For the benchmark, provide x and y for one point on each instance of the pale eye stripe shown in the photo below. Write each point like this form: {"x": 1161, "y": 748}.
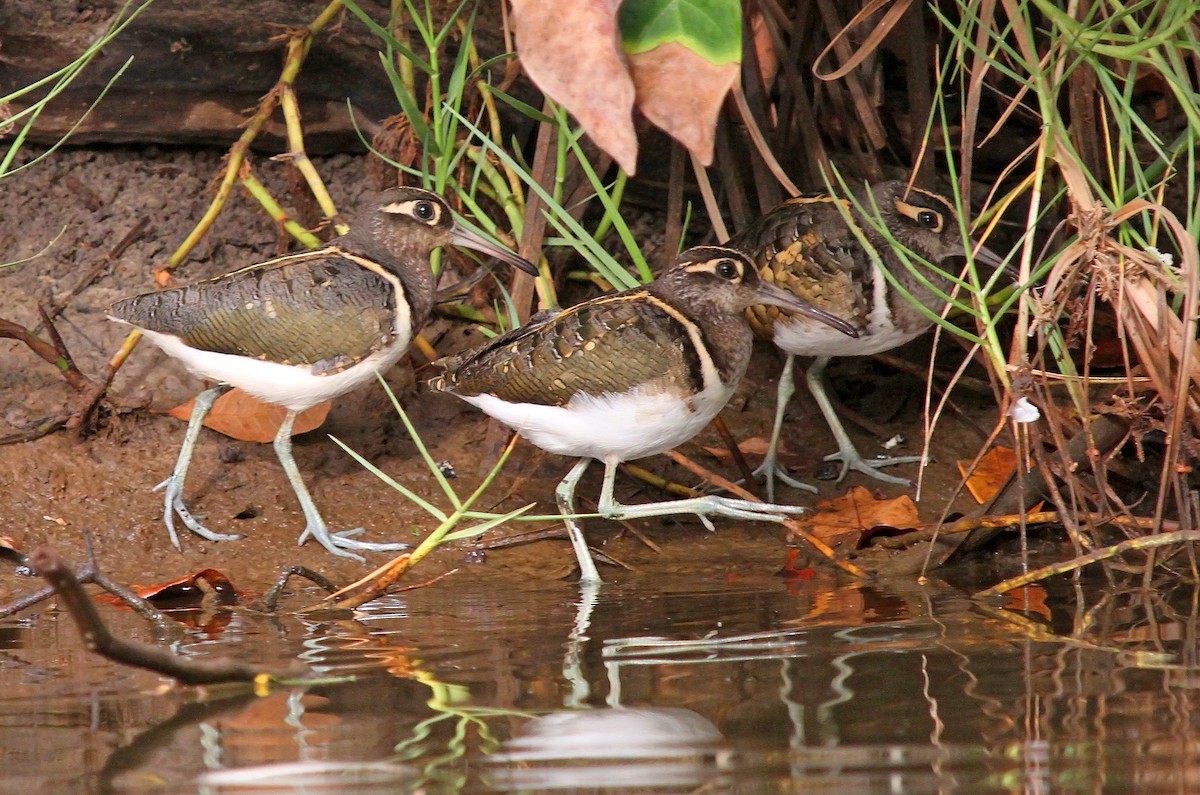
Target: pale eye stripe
{"x": 406, "y": 208}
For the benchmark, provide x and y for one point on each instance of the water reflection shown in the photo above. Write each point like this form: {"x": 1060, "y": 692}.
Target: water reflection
{"x": 756, "y": 685}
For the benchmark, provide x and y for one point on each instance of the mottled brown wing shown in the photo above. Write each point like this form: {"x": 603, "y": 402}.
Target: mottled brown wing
{"x": 608, "y": 345}
{"x": 805, "y": 247}
{"x": 324, "y": 311}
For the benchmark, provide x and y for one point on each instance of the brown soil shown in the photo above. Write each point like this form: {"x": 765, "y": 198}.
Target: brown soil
{"x": 53, "y": 488}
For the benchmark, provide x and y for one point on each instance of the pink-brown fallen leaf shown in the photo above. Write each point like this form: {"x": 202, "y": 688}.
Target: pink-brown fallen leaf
{"x": 187, "y": 591}
{"x": 1028, "y": 599}
{"x": 994, "y": 470}
{"x": 681, "y": 93}
{"x": 572, "y": 52}
{"x": 240, "y": 416}
{"x": 846, "y": 518}
{"x": 754, "y": 449}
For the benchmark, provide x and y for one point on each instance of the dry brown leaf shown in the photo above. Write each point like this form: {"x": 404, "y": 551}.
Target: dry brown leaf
{"x": 994, "y": 470}
{"x": 754, "y": 449}
{"x": 681, "y": 93}
{"x": 572, "y": 51}
{"x": 858, "y": 511}
{"x": 1028, "y": 599}
{"x": 240, "y": 416}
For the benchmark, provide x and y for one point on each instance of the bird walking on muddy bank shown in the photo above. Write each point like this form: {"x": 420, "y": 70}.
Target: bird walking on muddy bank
{"x": 813, "y": 247}
{"x": 304, "y": 328}
{"x": 629, "y": 375}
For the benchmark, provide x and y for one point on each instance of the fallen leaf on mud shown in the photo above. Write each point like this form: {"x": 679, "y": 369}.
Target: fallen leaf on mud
{"x": 754, "y": 450}
{"x": 689, "y": 116}
{"x": 187, "y": 591}
{"x": 1028, "y": 599}
{"x": 240, "y": 416}
{"x": 572, "y": 51}
{"x": 9, "y": 551}
{"x": 994, "y": 470}
{"x": 855, "y": 513}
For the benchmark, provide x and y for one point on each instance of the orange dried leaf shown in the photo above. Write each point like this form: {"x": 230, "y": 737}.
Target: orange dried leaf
{"x": 689, "y": 115}
{"x": 572, "y": 52}
{"x": 1028, "y": 599}
{"x": 241, "y": 416}
{"x": 754, "y": 449}
{"x": 186, "y": 591}
{"x": 858, "y": 511}
{"x": 994, "y": 470}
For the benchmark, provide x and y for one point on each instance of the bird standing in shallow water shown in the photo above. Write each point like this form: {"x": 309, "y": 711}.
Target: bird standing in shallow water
{"x": 806, "y": 247}
{"x": 304, "y": 328}
{"x": 628, "y": 375}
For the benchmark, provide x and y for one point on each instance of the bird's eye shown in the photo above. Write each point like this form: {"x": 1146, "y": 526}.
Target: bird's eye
{"x": 929, "y": 219}
{"x": 728, "y": 269}
{"x": 424, "y": 210}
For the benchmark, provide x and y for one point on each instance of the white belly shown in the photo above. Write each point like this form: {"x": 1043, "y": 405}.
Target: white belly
{"x": 291, "y": 386}
{"x": 625, "y": 426}
{"x": 809, "y": 338}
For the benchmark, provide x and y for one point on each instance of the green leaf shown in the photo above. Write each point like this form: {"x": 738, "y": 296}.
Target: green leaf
{"x": 710, "y": 28}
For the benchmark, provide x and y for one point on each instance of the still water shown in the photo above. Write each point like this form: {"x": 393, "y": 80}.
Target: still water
{"x": 648, "y": 685}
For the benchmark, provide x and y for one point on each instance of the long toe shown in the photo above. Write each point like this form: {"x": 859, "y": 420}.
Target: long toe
{"x": 871, "y": 466}
{"x": 343, "y": 541}
{"x": 770, "y": 471}
{"x": 328, "y": 540}
{"x": 176, "y": 507}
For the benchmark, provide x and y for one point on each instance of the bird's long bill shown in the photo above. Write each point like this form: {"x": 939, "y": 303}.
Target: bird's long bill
{"x": 461, "y": 236}
{"x": 773, "y": 296}
{"x": 990, "y": 259}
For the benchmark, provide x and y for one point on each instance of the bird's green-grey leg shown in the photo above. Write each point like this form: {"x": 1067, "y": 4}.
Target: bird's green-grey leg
{"x": 847, "y": 453}
{"x": 709, "y": 505}
{"x": 565, "y": 495}
{"x": 173, "y": 502}
{"x": 770, "y": 468}
{"x": 314, "y": 525}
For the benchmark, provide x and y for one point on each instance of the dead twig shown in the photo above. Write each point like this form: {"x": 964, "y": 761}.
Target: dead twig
{"x": 51, "y": 352}
{"x": 1145, "y": 543}
{"x": 98, "y": 638}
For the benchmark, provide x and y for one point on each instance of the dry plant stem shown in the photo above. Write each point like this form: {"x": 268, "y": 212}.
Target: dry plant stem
{"x": 376, "y": 584}
{"x": 1145, "y": 544}
{"x": 659, "y": 482}
{"x": 1100, "y": 437}
{"x": 791, "y": 524}
{"x": 111, "y": 257}
{"x": 735, "y": 451}
{"x": 46, "y": 351}
{"x": 760, "y": 143}
{"x": 969, "y": 523}
{"x": 710, "y": 200}
{"x": 97, "y": 638}
{"x": 299, "y": 158}
{"x": 298, "y": 43}
{"x": 533, "y": 226}
{"x": 271, "y": 599}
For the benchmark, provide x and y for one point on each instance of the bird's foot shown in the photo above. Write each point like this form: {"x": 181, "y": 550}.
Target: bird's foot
{"x": 852, "y": 460}
{"x": 770, "y": 470}
{"x": 704, "y": 507}
{"x": 339, "y": 542}
{"x": 174, "y": 506}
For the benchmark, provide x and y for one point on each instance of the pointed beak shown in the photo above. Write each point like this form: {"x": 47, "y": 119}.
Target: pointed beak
{"x": 461, "y": 236}
{"x": 771, "y": 295}
{"x": 990, "y": 259}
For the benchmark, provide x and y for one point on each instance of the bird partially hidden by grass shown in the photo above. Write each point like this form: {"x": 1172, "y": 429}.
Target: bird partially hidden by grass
{"x": 808, "y": 247}
{"x": 629, "y": 375}
{"x": 304, "y": 328}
